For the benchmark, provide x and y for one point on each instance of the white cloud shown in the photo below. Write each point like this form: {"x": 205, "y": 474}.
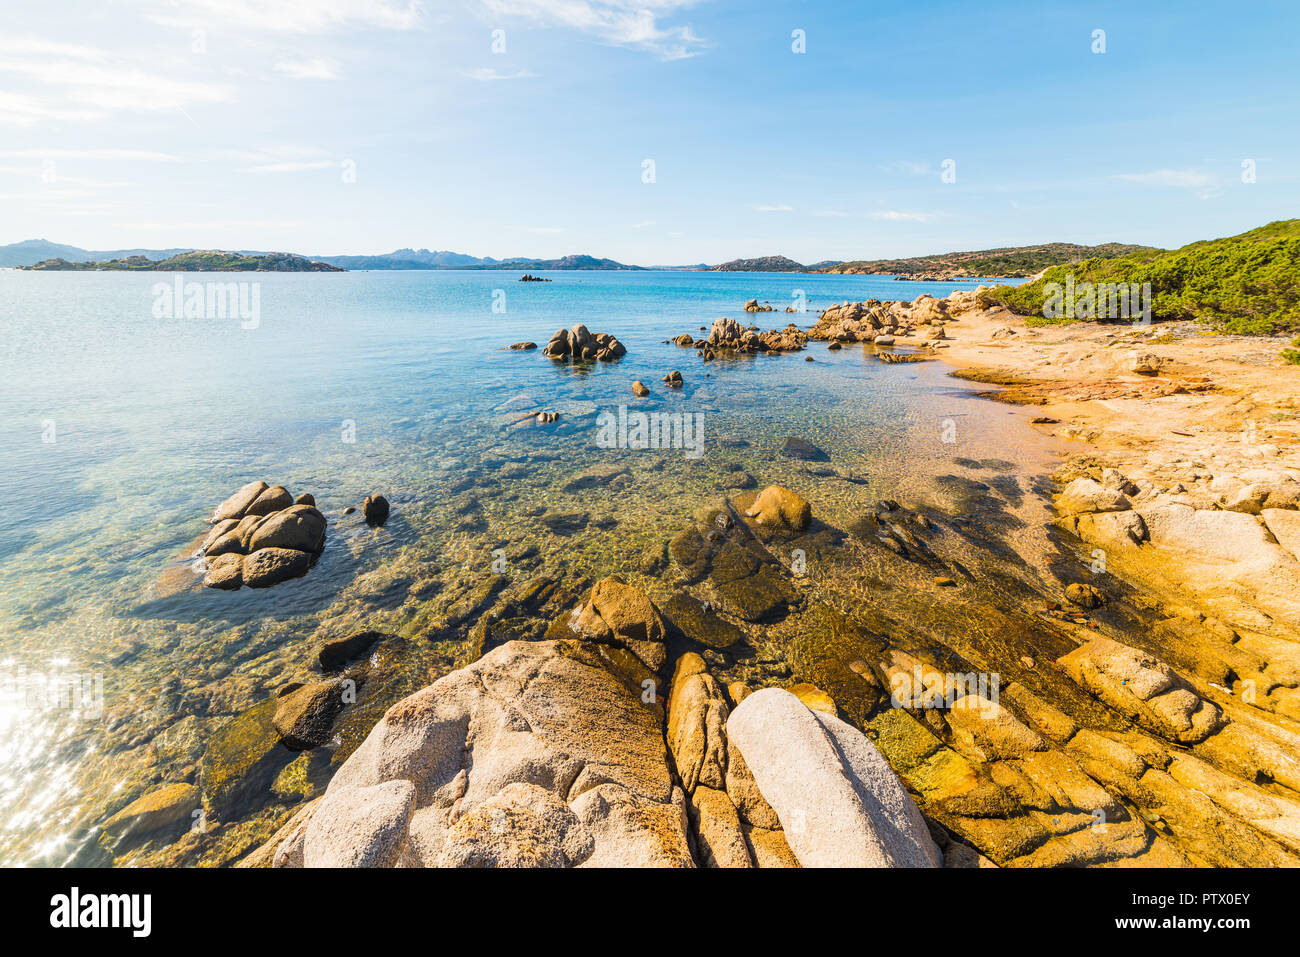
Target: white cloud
{"x": 775, "y": 209}
{"x": 902, "y": 216}
{"x": 80, "y": 82}
{"x": 292, "y": 166}
{"x": 289, "y": 16}
{"x": 488, "y": 74}
{"x": 217, "y": 224}
{"x": 1177, "y": 178}
{"x": 624, "y": 23}
{"x": 129, "y": 156}
{"x": 544, "y": 229}
{"x": 315, "y": 69}
{"x": 910, "y": 167}
{"x": 648, "y": 222}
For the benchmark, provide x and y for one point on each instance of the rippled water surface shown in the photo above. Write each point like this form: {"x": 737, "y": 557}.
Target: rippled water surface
{"x": 121, "y": 432}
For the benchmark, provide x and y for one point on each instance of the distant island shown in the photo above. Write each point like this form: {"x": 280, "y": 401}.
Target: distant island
{"x": 1008, "y": 262}
{"x": 206, "y": 260}
{"x": 1003, "y": 262}
{"x": 771, "y": 264}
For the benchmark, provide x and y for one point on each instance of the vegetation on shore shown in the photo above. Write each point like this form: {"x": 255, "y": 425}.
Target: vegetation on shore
{"x": 1009, "y": 261}
{"x": 1246, "y": 284}
{"x": 204, "y": 260}
{"x": 770, "y": 264}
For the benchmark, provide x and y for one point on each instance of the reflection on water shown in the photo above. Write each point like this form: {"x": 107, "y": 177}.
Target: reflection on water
{"x": 392, "y": 383}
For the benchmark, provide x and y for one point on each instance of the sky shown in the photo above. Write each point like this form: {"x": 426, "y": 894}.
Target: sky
{"x": 648, "y": 131}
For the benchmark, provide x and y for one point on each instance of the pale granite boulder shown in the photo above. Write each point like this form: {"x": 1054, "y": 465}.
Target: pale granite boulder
{"x": 839, "y": 802}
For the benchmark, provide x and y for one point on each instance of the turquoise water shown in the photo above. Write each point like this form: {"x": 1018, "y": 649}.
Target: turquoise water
{"x": 122, "y": 431}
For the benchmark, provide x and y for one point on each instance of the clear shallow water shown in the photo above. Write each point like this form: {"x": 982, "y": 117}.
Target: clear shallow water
{"x": 155, "y": 421}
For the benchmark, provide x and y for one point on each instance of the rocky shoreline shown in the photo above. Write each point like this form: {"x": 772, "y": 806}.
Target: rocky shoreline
{"x": 770, "y": 689}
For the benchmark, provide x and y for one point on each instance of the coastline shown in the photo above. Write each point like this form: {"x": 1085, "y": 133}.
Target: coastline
{"x": 972, "y": 580}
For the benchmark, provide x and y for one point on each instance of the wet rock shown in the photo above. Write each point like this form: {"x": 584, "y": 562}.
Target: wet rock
{"x": 225, "y": 572}
{"x": 598, "y": 476}
{"x": 159, "y": 810}
{"x": 700, "y": 623}
{"x": 270, "y": 566}
{"x": 375, "y": 510}
{"x": 674, "y": 379}
{"x": 334, "y": 654}
{"x": 814, "y": 698}
{"x": 840, "y": 803}
{"x": 241, "y": 760}
{"x": 300, "y": 527}
{"x": 639, "y": 389}
{"x": 563, "y": 523}
{"x": 237, "y": 504}
{"x": 524, "y": 346}
{"x": 619, "y": 614}
{"x": 304, "y": 717}
{"x": 990, "y": 731}
{"x": 578, "y": 344}
{"x": 802, "y": 449}
{"x": 780, "y": 508}
{"x": 271, "y": 500}
{"x": 306, "y": 498}
{"x": 547, "y": 716}
{"x": 1084, "y": 595}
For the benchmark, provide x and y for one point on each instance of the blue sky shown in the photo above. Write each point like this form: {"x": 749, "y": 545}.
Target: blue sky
{"x": 235, "y": 124}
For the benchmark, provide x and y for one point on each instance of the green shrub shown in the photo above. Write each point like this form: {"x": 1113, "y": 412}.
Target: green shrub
{"x": 1247, "y": 284}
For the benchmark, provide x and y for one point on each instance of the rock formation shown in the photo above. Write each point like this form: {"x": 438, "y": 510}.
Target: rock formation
{"x": 259, "y": 538}
{"x": 578, "y": 343}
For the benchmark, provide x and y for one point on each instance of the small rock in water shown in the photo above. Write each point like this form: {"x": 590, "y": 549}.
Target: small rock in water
{"x": 546, "y": 418}
{"x": 306, "y": 498}
{"x": 1085, "y": 596}
{"x": 375, "y": 509}
{"x": 797, "y": 448}
{"x": 524, "y": 345}
{"x": 349, "y": 510}
{"x": 639, "y": 389}
{"x": 335, "y": 654}
{"x": 674, "y": 379}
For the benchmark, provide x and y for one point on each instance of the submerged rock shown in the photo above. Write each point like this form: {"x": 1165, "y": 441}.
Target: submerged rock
{"x": 802, "y": 449}
{"x": 304, "y": 717}
{"x": 158, "y": 810}
{"x": 700, "y": 623}
{"x": 335, "y": 654}
{"x": 779, "y": 508}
